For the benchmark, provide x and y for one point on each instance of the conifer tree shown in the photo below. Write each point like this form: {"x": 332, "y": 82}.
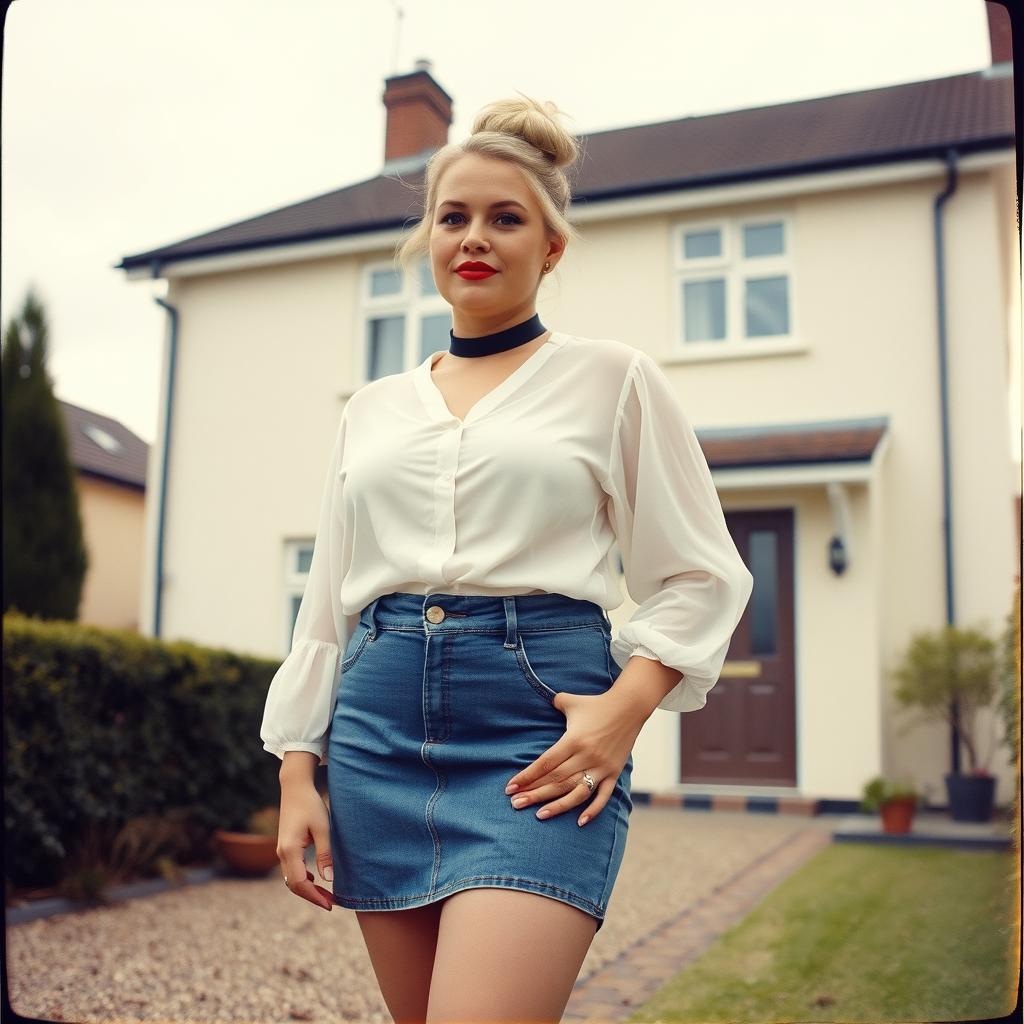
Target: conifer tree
{"x": 44, "y": 554}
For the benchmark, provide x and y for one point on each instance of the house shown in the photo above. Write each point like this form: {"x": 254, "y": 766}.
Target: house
{"x": 831, "y": 285}
{"x": 110, "y": 463}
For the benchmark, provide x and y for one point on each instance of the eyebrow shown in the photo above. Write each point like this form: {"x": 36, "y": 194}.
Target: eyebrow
{"x": 494, "y": 206}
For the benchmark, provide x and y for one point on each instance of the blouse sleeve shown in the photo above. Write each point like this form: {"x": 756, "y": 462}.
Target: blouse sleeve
{"x": 300, "y": 700}
{"x": 681, "y": 564}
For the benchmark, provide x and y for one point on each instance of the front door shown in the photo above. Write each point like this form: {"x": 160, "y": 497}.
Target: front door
{"x": 746, "y": 733}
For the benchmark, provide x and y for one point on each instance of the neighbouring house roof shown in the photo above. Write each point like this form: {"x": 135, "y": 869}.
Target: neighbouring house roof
{"x": 971, "y": 112}
{"x": 793, "y": 444}
{"x": 103, "y": 447}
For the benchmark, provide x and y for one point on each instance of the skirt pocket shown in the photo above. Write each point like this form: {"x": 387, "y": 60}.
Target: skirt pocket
{"x": 573, "y": 660}
{"x": 356, "y": 645}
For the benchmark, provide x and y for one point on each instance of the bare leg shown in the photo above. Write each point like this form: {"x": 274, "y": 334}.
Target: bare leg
{"x": 505, "y": 955}
{"x": 401, "y": 945}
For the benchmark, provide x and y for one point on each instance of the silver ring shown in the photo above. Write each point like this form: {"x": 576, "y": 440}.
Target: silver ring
{"x": 588, "y": 779}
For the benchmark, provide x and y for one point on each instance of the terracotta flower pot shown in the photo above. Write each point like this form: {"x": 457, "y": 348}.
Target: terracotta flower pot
{"x": 898, "y": 814}
{"x": 246, "y": 853}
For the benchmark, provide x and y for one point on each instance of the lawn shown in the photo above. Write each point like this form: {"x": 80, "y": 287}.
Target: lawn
{"x": 864, "y": 932}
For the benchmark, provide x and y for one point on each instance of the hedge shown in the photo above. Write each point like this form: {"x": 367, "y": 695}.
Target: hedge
{"x": 102, "y": 725}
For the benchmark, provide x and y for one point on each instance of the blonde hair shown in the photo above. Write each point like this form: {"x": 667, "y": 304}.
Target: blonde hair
{"x": 523, "y": 132}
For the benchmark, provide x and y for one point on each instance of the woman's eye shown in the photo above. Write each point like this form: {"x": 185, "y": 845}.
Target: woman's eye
{"x": 444, "y": 219}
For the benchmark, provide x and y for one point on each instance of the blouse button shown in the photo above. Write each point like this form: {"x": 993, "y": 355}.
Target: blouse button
{"x": 435, "y": 613}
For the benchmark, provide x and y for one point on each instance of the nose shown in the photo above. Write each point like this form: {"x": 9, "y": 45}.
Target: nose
{"x": 474, "y": 239}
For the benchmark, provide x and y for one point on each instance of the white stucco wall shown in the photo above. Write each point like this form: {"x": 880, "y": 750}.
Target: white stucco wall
{"x": 266, "y": 354}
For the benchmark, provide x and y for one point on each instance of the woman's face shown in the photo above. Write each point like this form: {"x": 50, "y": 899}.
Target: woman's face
{"x": 509, "y": 238}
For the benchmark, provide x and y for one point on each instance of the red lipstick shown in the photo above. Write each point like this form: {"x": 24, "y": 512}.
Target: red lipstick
{"x": 474, "y": 270}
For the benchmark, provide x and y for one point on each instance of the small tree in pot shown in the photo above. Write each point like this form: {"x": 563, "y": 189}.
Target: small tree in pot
{"x": 947, "y": 666}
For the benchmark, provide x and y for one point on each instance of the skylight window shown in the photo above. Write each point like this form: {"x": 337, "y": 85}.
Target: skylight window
{"x": 106, "y": 441}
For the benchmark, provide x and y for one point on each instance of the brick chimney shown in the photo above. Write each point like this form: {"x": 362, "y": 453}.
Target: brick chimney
{"x": 419, "y": 114}
{"x": 999, "y": 33}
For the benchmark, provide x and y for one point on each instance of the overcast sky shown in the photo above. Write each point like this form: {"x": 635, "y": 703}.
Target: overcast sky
{"x": 130, "y": 124}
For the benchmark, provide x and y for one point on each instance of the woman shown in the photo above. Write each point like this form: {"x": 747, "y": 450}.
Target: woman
{"x": 462, "y": 570}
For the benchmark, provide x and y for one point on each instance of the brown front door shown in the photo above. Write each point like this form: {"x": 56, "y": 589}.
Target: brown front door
{"x": 746, "y": 733}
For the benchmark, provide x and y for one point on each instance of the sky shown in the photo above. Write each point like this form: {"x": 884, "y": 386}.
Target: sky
{"x": 131, "y": 124}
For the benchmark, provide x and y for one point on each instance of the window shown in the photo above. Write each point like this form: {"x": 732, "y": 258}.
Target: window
{"x": 404, "y": 319}
{"x": 106, "y": 441}
{"x": 732, "y": 282}
{"x": 298, "y": 555}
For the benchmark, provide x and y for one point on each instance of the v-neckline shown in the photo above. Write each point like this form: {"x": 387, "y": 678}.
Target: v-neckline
{"x": 434, "y": 401}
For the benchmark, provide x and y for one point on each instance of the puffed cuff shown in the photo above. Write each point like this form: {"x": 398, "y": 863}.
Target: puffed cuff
{"x": 280, "y": 751}
{"x": 691, "y": 692}
{"x": 645, "y": 652}
{"x": 300, "y": 701}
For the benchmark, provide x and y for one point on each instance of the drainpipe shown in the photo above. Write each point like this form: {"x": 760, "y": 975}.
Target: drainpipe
{"x": 164, "y": 456}
{"x": 947, "y": 525}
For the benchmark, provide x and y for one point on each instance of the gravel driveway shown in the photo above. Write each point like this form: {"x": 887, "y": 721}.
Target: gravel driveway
{"x": 239, "y": 950}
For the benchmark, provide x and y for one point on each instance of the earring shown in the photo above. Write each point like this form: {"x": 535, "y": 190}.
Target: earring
{"x": 547, "y": 266}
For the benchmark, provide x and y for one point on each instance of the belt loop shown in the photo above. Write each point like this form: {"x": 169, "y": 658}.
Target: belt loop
{"x": 373, "y": 622}
{"x": 511, "y": 632}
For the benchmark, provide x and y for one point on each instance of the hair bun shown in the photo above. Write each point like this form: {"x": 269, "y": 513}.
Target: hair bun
{"x": 532, "y": 122}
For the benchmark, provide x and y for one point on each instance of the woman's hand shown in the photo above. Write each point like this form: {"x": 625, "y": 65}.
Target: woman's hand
{"x": 599, "y": 736}
{"x": 303, "y": 821}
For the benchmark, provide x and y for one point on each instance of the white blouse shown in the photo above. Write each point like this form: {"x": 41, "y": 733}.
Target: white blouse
{"x": 585, "y": 444}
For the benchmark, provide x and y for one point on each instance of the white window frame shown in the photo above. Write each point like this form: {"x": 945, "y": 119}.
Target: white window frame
{"x": 294, "y": 582}
{"x": 411, "y": 303}
{"x": 731, "y": 266}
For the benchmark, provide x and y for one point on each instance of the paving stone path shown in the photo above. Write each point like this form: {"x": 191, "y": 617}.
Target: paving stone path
{"x": 613, "y": 992}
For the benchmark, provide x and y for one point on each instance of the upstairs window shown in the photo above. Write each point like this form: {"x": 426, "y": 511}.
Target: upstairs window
{"x": 733, "y": 282}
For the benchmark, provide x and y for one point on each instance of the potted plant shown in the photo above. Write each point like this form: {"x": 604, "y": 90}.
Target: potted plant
{"x": 895, "y": 801}
{"x": 252, "y": 853}
{"x": 957, "y": 667}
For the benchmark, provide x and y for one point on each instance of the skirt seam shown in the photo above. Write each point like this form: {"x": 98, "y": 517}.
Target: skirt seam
{"x": 616, "y": 851}
{"x": 493, "y": 630}
{"x": 572, "y": 897}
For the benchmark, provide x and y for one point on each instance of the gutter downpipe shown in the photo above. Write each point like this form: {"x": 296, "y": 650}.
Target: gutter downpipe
{"x": 940, "y": 275}
{"x": 162, "y": 508}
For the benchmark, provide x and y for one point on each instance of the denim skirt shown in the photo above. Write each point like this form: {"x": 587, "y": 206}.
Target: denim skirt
{"x": 442, "y": 699}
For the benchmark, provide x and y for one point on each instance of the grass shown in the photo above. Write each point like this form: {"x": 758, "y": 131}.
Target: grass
{"x": 864, "y": 933}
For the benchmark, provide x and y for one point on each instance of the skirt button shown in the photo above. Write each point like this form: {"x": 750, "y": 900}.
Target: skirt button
{"x": 435, "y": 613}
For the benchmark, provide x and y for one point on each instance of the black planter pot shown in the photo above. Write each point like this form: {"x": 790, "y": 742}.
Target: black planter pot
{"x": 970, "y": 796}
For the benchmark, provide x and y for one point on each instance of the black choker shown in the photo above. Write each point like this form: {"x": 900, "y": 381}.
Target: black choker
{"x": 500, "y": 341}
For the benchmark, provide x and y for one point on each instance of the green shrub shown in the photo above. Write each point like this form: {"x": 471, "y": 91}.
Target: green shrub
{"x": 951, "y": 664}
{"x": 105, "y": 726}
{"x": 880, "y": 790}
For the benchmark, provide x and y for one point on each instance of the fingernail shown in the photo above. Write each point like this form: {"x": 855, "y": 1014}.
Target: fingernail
{"x": 329, "y": 873}
{"x": 511, "y": 787}
{"x": 583, "y": 820}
